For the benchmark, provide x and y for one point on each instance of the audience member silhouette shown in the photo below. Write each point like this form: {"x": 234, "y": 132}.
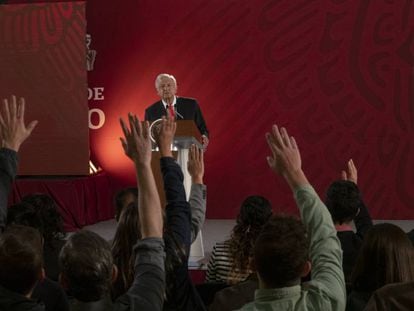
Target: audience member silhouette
{"x": 386, "y": 256}
{"x": 41, "y": 212}
{"x": 180, "y": 291}
{"x": 86, "y": 259}
{"x": 344, "y": 202}
{"x": 286, "y": 247}
{"x": 230, "y": 261}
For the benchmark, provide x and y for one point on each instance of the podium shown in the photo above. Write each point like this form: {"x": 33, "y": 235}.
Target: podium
{"x": 186, "y": 135}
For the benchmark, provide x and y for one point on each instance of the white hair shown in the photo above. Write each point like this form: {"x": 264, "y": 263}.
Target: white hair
{"x": 164, "y": 75}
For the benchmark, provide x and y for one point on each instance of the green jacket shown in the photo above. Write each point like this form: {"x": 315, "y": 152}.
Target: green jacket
{"x": 326, "y": 291}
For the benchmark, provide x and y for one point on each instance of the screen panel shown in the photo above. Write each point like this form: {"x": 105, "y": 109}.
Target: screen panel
{"x": 43, "y": 59}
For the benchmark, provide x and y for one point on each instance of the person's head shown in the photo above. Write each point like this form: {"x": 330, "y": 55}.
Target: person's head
{"x": 166, "y": 86}
{"x": 386, "y": 256}
{"x": 24, "y": 214}
{"x": 123, "y": 198}
{"x": 255, "y": 211}
{"x": 281, "y": 252}
{"x": 87, "y": 269}
{"x": 41, "y": 212}
{"x": 21, "y": 264}
{"x": 126, "y": 236}
{"x": 343, "y": 201}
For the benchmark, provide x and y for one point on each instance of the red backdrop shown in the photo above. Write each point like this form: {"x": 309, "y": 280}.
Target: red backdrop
{"x": 338, "y": 74}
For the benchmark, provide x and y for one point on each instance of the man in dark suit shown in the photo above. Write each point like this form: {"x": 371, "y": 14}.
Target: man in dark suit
{"x": 181, "y": 108}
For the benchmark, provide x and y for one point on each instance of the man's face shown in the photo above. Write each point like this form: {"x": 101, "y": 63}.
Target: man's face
{"x": 166, "y": 89}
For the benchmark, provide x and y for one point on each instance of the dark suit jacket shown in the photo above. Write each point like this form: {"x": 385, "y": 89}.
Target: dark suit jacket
{"x": 187, "y": 109}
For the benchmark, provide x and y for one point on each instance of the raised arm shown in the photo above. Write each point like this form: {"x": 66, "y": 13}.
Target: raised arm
{"x": 177, "y": 210}
{"x": 137, "y": 146}
{"x": 13, "y": 132}
{"x": 325, "y": 248}
{"x": 147, "y": 291}
{"x": 363, "y": 220}
{"x": 198, "y": 193}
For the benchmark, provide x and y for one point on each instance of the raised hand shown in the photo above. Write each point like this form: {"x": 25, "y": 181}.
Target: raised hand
{"x": 285, "y": 159}
{"x": 351, "y": 174}
{"x": 12, "y": 128}
{"x": 195, "y": 164}
{"x": 136, "y": 141}
{"x": 165, "y": 136}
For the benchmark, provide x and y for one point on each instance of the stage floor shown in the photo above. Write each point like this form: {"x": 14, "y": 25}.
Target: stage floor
{"x": 215, "y": 230}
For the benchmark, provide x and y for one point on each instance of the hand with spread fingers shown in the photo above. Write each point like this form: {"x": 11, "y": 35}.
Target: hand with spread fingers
{"x": 13, "y": 130}
{"x": 137, "y": 146}
{"x": 136, "y": 141}
{"x": 195, "y": 164}
{"x": 165, "y": 136}
{"x": 351, "y": 174}
{"x": 285, "y": 159}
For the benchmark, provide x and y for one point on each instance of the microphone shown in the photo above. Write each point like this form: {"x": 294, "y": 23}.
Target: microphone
{"x": 177, "y": 113}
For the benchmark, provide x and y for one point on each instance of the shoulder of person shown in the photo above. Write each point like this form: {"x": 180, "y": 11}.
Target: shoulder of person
{"x": 188, "y": 100}
{"x": 154, "y": 105}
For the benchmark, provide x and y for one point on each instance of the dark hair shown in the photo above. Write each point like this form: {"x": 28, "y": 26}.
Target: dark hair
{"x": 123, "y": 198}
{"x": 86, "y": 265}
{"x": 343, "y": 201}
{"x": 126, "y": 236}
{"x": 20, "y": 258}
{"x": 255, "y": 211}
{"x": 386, "y": 256}
{"x": 281, "y": 251}
{"x": 24, "y": 214}
{"x": 41, "y": 212}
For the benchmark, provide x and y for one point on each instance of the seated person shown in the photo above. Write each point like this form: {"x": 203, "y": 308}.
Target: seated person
{"x": 236, "y": 296}
{"x": 386, "y": 256}
{"x": 230, "y": 260}
{"x": 21, "y": 268}
{"x": 180, "y": 291}
{"x": 127, "y": 234}
{"x": 41, "y": 212}
{"x": 286, "y": 248}
{"x": 128, "y": 221}
{"x": 43, "y": 219}
{"x": 396, "y": 296}
{"x": 345, "y": 204}
{"x": 123, "y": 198}
{"x": 198, "y": 193}
{"x": 21, "y": 272}
{"x": 86, "y": 259}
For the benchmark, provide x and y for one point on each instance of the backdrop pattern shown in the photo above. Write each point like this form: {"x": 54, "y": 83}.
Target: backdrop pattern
{"x": 338, "y": 74}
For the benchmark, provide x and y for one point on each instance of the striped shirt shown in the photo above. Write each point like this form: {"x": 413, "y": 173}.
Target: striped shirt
{"x": 220, "y": 266}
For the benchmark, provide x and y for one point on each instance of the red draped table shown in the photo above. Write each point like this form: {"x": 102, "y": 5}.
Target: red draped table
{"x": 82, "y": 200}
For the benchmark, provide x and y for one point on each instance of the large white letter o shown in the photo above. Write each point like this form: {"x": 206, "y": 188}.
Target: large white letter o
{"x": 101, "y": 116}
